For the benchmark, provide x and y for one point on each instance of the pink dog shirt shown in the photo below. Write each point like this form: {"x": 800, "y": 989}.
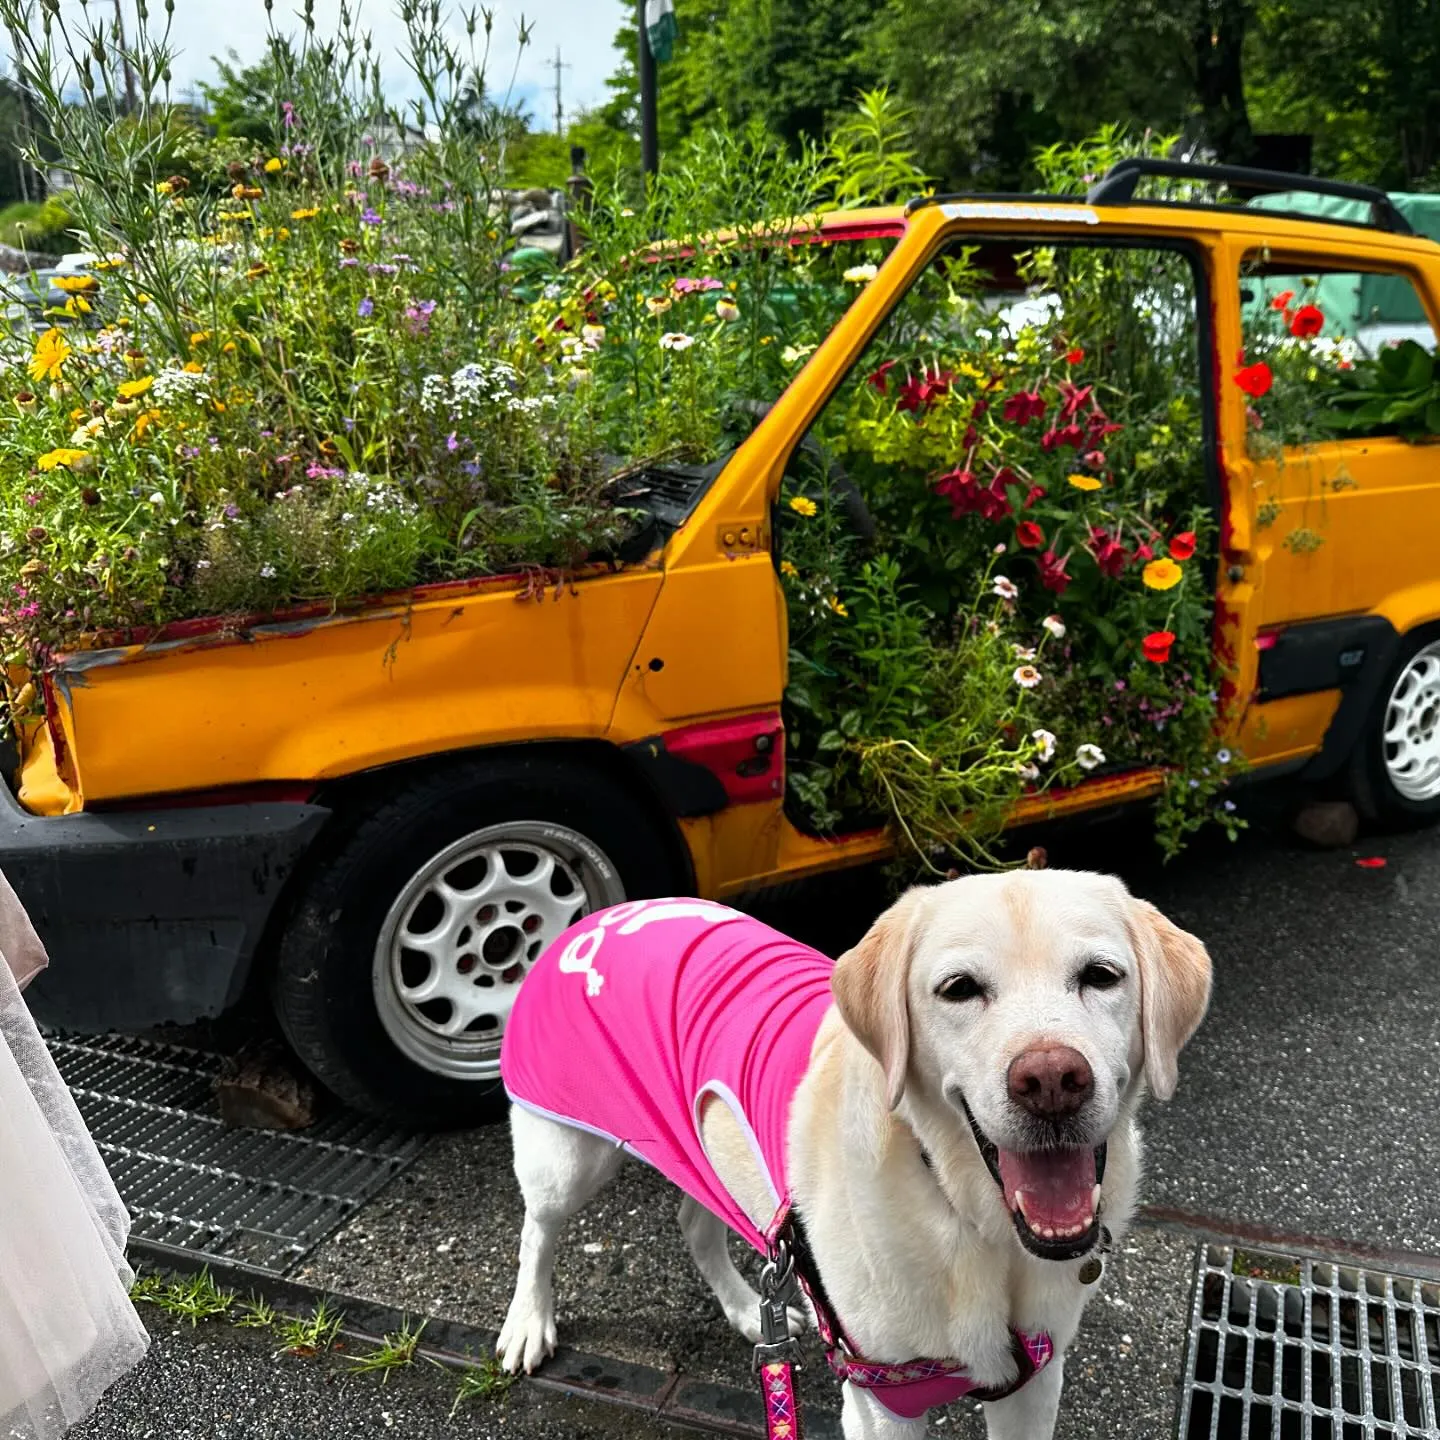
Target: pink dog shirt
{"x": 632, "y": 1016}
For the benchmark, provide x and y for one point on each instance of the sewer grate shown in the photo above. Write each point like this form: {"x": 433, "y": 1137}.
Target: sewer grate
{"x": 262, "y": 1199}
{"x": 1285, "y": 1348}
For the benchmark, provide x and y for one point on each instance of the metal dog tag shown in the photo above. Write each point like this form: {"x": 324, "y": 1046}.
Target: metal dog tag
{"x": 1091, "y": 1271}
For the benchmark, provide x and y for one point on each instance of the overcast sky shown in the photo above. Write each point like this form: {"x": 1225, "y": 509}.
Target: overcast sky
{"x": 583, "y": 29}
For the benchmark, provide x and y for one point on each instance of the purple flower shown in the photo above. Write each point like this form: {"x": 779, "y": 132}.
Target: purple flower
{"x": 444, "y": 207}
{"x": 27, "y": 612}
{"x": 322, "y": 472}
{"x": 369, "y": 141}
{"x": 33, "y": 497}
{"x": 417, "y": 317}
{"x": 232, "y": 512}
{"x": 288, "y": 109}
{"x": 355, "y": 168}
{"x": 349, "y": 422}
{"x": 403, "y": 259}
{"x": 685, "y": 284}
{"x": 382, "y": 269}
{"x": 369, "y": 217}
{"x": 365, "y": 308}
{"x": 348, "y": 262}
{"x": 452, "y": 442}
{"x": 20, "y": 590}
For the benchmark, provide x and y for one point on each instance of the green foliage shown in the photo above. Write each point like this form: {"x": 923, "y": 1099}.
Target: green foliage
{"x": 871, "y": 159}
{"x": 1396, "y": 393}
{"x": 42, "y": 228}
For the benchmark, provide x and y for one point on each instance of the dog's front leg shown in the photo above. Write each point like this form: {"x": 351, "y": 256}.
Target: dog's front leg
{"x": 1030, "y": 1413}
{"x": 862, "y": 1417}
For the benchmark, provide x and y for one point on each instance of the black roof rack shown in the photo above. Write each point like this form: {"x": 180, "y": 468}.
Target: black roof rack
{"x": 1117, "y": 186}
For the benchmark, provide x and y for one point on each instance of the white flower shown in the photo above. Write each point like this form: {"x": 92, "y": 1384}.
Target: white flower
{"x": 1027, "y": 771}
{"x": 267, "y": 572}
{"x": 1088, "y": 756}
{"x": 791, "y": 353}
{"x": 860, "y": 274}
{"x": 1000, "y": 549}
{"x": 1027, "y": 677}
{"x": 157, "y": 498}
{"x": 676, "y": 340}
{"x": 1055, "y": 626}
{"x": 202, "y": 564}
{"x": 592, "y": 335}
{"x": 727, "y": 309}
{"x": 553, "y": 291}
{"x": 1046, "y": 741}
{"x": 1222, "y": 757}
{"x": 1024, "y": 652}
{"x": 1005, "y": 588}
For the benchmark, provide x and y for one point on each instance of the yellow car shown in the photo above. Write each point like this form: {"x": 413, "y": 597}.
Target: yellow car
{"x": 379, "y": 817}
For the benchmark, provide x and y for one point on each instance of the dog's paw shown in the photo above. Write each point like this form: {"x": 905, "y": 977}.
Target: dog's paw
{"x": 527, "y": 1338}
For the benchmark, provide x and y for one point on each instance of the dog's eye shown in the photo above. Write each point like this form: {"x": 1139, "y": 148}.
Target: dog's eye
{"x": 961, "y": 987}
{"x": 1098, "y": 976}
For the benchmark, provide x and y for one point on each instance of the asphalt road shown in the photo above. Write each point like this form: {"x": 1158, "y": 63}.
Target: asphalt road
{"x": 1306, "y": 1105}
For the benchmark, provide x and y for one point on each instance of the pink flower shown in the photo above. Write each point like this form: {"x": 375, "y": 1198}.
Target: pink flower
{"x": 1023, "y": 407}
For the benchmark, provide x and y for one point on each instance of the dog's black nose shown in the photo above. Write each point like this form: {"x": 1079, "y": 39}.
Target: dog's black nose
{"x": 1052, "y": 1081}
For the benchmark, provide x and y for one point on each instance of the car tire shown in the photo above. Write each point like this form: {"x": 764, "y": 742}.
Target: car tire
{"x": 402, "y": 955}
{"x": 1393, "y": 775}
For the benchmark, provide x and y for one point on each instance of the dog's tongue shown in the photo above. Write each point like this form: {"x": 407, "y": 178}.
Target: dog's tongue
{"x": 1055, "y": 1187}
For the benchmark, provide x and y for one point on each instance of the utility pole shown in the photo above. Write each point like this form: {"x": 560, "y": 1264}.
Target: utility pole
{"x": 559, "y": 108}
{"x": 125, "y": 61}
{"x": 649, "y": 129}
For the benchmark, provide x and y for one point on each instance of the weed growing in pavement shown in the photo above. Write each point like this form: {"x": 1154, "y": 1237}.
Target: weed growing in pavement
{"x": 483, "y": 1379}
{"x": 308, "y": 1337}
{"x": 193, "y": 1298}
{"x": 394, "y": 1352}
{"x": 256, "y": 1314}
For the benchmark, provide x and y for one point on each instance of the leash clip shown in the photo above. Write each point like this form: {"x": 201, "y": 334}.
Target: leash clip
{"x": 778, "y": 1287}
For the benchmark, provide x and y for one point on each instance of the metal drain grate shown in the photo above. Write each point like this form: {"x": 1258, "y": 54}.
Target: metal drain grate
{"x": 1291, "y": 1349}
{"x": 258, "y": 1198}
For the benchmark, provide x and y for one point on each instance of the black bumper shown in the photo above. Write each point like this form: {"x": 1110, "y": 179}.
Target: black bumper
{"x": 150, "y": 917}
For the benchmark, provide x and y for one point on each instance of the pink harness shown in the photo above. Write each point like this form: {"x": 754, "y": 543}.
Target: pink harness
{"x": 638, "y": 1012}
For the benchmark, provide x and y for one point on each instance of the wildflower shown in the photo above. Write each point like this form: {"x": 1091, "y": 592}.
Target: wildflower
{"x": 274, "y": 165}
{"x": 1255, "y": 380}
{"x": 1182, "y": 546}
{"x": 51, "y": 352}
{"x": 1075, "y": 356}
{"x": 1095, "y": 459}
{"x": 144, "y": 420}
{"x": 305, "y": 212}
{"x": 257, "y": 270}
{"x": 267, "y": 572}
{"x": 1053, "y": 575}
{"x": 1046, "y": 741}
{"x": 727, "y": 309}
{"x": 417, "y": 317}
{"x": 1000, "y": 549}
{"x": 246, "y": 192}
{"x": 1023, "y": 407}
{"x": 75, "y": 284}
{"x": 861, "y": 274}
{"x": 365, "y": 308}
{"x": 658, "y": 304}
{"x": 592, "y": 336}
{"x": 198, "y": 338}
{"x": 1282, "y": 300}
{"x": 686, "y": 284}
{"x": 1222, "y": 757}
{"x": 1307, "y": 321}
{"x": 787, "y": 567}
{"x": 1024, "y": 652}
{"x": 164, "y": 187}
{"x": 838, "y": 607}
{"x": 70, "y": 458}
{"x": 1088, "y": 756}
{"x": 676, "y": 340}
{"x": 1027, "y": 677}
{"x": 1162, "y": 574}
{"x": 1029, "y": 535}
{"x": 1053, "y": 626}
{"x": 129, "y": 389}
{"x": 1084, "y": 482}
{"x": 793, "y": 353}
{"x": 877, "y": 377}
{"x": 142, "y": 297}
{"x": 803, "y": 505}
{"x": 1005, "y": 588}
{"x": 1156, "y": 646}
{"x": 25, "y": 402}
{"x": 1027, "y": 771}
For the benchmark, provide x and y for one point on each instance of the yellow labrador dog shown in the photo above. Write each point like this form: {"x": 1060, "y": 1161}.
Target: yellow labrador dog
{"x": 966, "y": 1115}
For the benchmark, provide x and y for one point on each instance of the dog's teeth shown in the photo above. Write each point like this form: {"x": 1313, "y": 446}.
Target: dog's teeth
{"x": 1095, "y": 1199}
{"x": 1047, "y": 1232}
{"x": 1017, "y": 1201}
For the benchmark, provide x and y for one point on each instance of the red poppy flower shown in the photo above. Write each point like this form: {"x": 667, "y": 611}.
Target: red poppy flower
{"x": 1156, "y": 645}
{"x": 1282, "y": 300}
{"x": 1052, "y": 572}
{"x": 1029, "y": 535}
{"x": 1308, "y": 320}
{"x": 1075, "y": 356}
{"x": 1182, "y": 546}
{"x": 1255, "y": 380}
{"x": 1024, "y": 406}
{"x": 877, "y": 377}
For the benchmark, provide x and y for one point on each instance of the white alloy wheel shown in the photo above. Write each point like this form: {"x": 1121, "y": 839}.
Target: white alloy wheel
{"x": 1411, "y": 736}
{"x": 464, "y": 931}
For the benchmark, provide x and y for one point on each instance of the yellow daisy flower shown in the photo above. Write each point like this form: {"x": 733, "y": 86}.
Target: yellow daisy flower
{"x": 803, "y": 505}
{"x": 131, "y": 388}
{"x": 1162, "y": 574}
{"x": 52, "y": 350}
{"x": 1084, "y": 482}
{"x": 274, "y": 165}
{"x": 305, "y": 212}
{"x": 71, "y": 459}
{"x": 75, "y": 284}
{"x": 787, "y": 567}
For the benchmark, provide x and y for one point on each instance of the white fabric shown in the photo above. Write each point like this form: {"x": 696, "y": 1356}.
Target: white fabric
{"x": 67, "y": 1328}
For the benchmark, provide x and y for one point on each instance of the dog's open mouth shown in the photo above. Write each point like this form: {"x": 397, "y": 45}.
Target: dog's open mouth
{"x": 1053, "y": 1195}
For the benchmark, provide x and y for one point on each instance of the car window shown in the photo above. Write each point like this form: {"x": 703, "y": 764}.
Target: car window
{"x": 1323, "y": 341}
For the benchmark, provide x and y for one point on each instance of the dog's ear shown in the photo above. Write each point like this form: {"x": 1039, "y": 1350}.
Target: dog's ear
{"x": 1174, "y": 991}
{"x": 869, "y": 985}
